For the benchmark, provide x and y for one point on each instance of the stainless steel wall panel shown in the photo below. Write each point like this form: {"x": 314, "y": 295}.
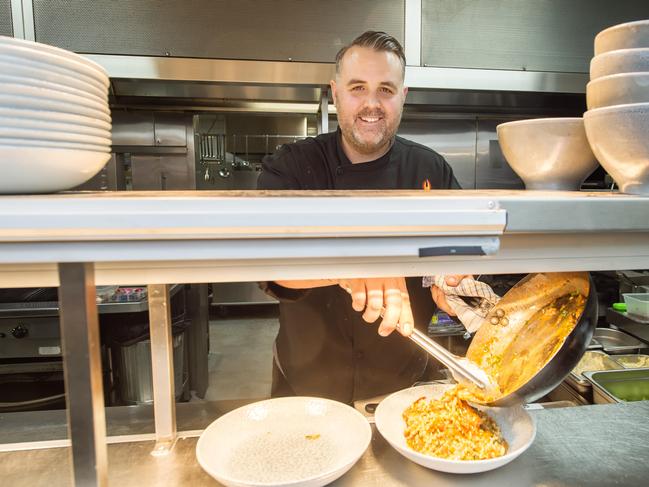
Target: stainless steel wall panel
{"x": 527, "y": 35}
{"x": 491, "y": 169}
{"x": 170, "y": 129}
{"x": 132, "y": 128}
{"x": 6, "y": 21}
{"x": 279, "y": 30}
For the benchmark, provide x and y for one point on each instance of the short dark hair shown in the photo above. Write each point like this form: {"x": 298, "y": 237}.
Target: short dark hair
{"x": 377, "y": 40}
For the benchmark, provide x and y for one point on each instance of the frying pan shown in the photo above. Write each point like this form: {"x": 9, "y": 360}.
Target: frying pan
{"x": 528, "y": 343}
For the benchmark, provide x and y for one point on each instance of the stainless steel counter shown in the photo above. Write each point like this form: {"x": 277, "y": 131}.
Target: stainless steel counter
{"x": 590, "y": 445}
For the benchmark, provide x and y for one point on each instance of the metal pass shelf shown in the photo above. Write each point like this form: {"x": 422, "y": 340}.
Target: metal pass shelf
{"x": 77, "y": 240}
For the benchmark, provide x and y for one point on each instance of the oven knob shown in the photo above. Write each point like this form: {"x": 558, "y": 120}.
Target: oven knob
{"x": 20, "y": 331}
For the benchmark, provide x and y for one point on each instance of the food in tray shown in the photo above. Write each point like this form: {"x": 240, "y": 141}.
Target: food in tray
{"x": 594, "y": 361}
{"x": 633, "y": 361}
{"x": 451, "y": 428}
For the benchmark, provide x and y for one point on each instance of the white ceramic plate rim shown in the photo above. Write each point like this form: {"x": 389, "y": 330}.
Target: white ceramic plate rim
{"x": 52, "y": 68}
{"x": 44, "y": 135}
{"x": 21, "y": 52}
{"x": 38, "y": 71}
{"x": 39, "y": 92}
{"x": 49, "y": 85}
{"x": 51, "y": 126}
{"x": 56, "y": 51}
{"x": 12, "y": 101}
{"x": 353, "y": 412}
{"x": 17, "y": 142}
{"x": 54, "y": 117}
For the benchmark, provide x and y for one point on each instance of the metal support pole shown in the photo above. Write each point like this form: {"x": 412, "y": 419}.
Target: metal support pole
{"x": 323, "y": 112}
{"x": 82, "y": 373}
{"x": 412, "y": 42}
{"x": 162, "y": 368}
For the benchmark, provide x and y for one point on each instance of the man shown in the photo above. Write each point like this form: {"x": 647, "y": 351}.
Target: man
{"x": 323, "y": 347}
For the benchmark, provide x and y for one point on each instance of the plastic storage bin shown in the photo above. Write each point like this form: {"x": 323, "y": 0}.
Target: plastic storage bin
{"x": 637, "y": 304}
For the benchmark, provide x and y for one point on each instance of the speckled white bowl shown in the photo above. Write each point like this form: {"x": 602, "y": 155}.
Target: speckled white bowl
{"x": 548, "y": 153}
{"x": 516, "y": 425}
{"x": 289, "y": 441}
{"x": 620, "y": 61}
{"x": 618, "y": 89}
{"x": 623, "y": 36}
{"x": 619, "y": 136}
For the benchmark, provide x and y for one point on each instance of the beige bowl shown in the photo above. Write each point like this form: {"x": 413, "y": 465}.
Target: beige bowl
{"x": 618, "y": 89}
{"x": 623, "y": 36}
{"x": 619, "y": 136}
{"x": 621, "y": 61}
{"x": 548, "y": 153}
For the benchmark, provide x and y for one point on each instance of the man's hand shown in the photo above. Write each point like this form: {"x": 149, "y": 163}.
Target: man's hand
{"x": 382, "y": 296}
{"x": 440, "y": 298}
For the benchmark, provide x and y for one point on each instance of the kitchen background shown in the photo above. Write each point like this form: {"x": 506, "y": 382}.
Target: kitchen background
{"x": 202, "y": 90}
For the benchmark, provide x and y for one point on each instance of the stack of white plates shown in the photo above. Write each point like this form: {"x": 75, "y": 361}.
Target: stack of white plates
{"x": 617, "y": 120}
{"x": 54, "y": 118}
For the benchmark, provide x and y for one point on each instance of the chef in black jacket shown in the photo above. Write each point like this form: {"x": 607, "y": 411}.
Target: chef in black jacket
{"x": 324, "y": 346}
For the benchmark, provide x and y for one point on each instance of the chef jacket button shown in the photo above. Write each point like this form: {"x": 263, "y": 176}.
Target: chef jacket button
{"x": 339, "y": 171}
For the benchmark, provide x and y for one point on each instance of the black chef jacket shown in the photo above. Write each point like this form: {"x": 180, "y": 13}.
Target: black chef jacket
{"x": 324, "y": 348}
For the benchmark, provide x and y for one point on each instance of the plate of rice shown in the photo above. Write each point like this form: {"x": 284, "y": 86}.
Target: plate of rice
{"x": 433, "y": 426}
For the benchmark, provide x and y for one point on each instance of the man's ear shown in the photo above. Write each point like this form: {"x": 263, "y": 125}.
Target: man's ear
{"x": 332, "y": 84}
{"x": 405, "y": 92}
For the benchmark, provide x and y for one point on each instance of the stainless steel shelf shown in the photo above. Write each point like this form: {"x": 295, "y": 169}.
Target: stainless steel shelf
{"x": 250, "y": 236}
{"x": 49, "y": 308}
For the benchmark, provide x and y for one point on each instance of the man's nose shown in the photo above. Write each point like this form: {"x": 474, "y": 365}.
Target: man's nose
{"x": 372, "y": 100}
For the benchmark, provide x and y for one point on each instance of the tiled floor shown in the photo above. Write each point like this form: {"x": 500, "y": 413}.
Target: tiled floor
{"x": 241, "y": 353}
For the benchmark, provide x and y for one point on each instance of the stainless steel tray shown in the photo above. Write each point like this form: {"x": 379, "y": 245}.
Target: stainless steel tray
{"x": 616, "y": 341}
{"x": 577, "y": 381}
{"x": 594, "y": 345}
{"x": 610, "y": 386}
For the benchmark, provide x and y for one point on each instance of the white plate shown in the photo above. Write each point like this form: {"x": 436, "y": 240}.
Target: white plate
{"x": 53, "y": 68}
{"x": 55, "y": 51}
{"x": 45, "y": 169}
{"x": 85, "y": 100}
{"x": 44, "y": 125}
{"x": 30, "y": 74}
{"x": 269, "y": 443}
{"x": 516, "y": 425}
{"x": 16, "y": 142}
{"x": 34, "y": 103}
{"x": 46, "y": 116}
{"x": 44, "y": 57}
{"x": 56, "y": 87}
{"x": 50, "y": 135}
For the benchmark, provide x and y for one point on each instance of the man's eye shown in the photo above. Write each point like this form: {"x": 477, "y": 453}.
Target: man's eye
{"x": 358, "y": 88}
{"x": 386, "y": 90}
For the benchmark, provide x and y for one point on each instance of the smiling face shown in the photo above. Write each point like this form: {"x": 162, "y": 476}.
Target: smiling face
{"x": 369, "y": 97}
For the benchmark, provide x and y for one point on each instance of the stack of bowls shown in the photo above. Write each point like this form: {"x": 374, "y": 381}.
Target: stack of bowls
{"x": 54, "y": 118}
{"x": 617, "y": 120}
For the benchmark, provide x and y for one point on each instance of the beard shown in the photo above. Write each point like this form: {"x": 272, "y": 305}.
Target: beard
{"x": 365, "y": 138}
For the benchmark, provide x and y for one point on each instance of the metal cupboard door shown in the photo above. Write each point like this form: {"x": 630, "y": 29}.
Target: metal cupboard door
{"x": 160, "y": 173}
